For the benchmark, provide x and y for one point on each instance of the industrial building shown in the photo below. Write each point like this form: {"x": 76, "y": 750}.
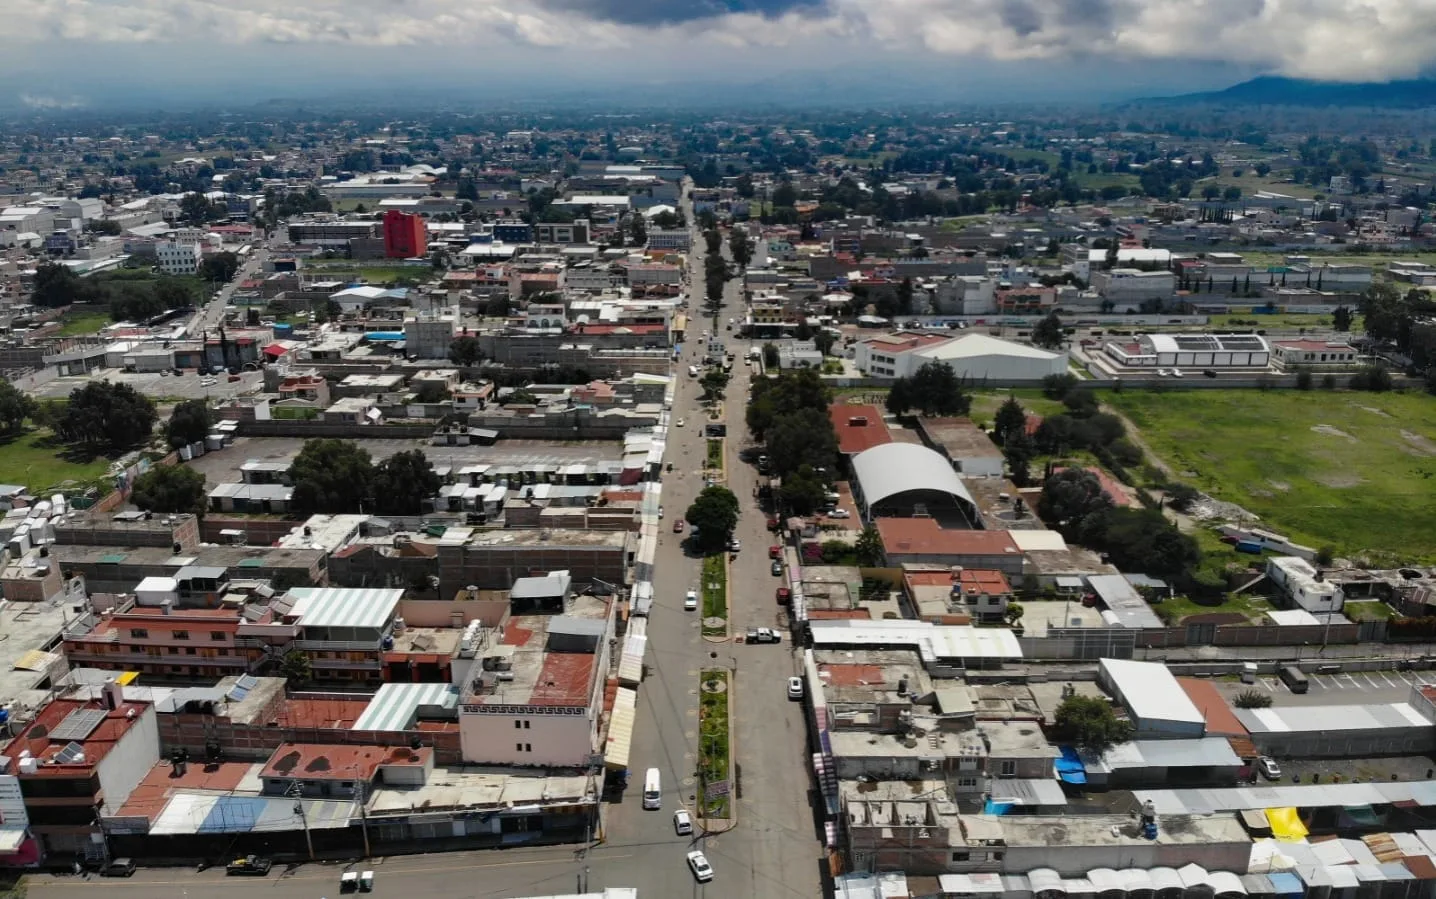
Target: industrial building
{"x": 1156, "y": 704}
{"x": 1195, "y": 351}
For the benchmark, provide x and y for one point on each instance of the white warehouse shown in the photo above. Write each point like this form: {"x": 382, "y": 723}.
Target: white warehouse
{"x": 1155, "y": 702}
{"x": 976, "y": 357}
{"x": 1190, "y": 351}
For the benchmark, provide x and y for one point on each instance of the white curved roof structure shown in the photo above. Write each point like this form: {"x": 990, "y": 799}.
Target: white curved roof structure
{"x": 894, "y": 468}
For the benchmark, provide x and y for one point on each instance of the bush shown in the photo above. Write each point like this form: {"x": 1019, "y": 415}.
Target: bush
{"x": 1055, "y": 387}
{"x": 1303, "y": 379}
{"x": 1373, "y": 378}
{"x": 1252, "y": 699}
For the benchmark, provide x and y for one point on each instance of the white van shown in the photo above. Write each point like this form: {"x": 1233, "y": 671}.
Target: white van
{"x": 652, "y": 790}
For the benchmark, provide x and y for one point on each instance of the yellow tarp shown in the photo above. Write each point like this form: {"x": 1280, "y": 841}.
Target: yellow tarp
{"x": 1286, "y": 825}
{"x": 127, "y": 677}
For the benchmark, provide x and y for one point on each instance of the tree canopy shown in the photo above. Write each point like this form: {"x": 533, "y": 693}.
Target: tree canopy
{"x": 1009, "y": 419}
{"x": 1048, "y": 333}
{"x": 170, "y": 488}
{"x": 934, "y": 389}
{"x": 189, "y": 423}
{"x": 403, "y": 482}
{"x": 219, "y": 267}
{"x": 1090, "y": 723}
{"x": 15, "y": 407}
{"x": 331, "y": 476}
{"x": 466, "y": 351}
{"x": 105, "y": 417}
{"x": 714, "y": 513}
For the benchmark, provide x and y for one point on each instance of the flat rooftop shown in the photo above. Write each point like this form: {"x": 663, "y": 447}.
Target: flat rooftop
{"x": 1120, "y": 830}
{"x": 459, "y": 788}
{"x": 959, "y": 438}
{"x": 544, "y": 677}
{"x": 528, "y": 537}
{"x": 31, "y": 630}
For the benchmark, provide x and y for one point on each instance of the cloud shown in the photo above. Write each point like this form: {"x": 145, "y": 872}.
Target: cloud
{"x": 1329, "y": 39}
{"x": 42, "y": 101}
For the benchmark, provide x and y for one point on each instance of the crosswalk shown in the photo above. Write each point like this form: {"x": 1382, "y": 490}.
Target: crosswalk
{"x": 1385, "y": 681}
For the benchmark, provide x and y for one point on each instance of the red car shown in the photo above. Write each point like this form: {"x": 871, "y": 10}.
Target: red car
{"x": 678, "y": 526}
{"x": 783, "y": 595}
{"x": 775, "y": 552}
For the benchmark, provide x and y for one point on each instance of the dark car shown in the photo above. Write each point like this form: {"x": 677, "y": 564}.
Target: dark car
{"x": 777, "y": 568}
{"x": 250, "y": 865}
{"x": 119, "y": 867}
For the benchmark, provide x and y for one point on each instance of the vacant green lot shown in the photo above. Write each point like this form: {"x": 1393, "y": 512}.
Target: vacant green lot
{"x": 1351, "y": 470}
{"x": 30, "y": 461}
{"x": 88, "y": 322}
{"x": 985, "y": 405}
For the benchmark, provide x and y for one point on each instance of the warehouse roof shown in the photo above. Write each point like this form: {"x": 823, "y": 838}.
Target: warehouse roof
{"x": 974, "y": 345}
{"x": 894, "y": 468}
{"x": 1150, "y": 692}
{"x": 1319, "y": 718}
{"x": 330, "y": 607}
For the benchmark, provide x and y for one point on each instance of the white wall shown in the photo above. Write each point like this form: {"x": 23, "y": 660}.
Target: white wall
{"x": 127, "y": 763}
{"x": 555, "y": 740}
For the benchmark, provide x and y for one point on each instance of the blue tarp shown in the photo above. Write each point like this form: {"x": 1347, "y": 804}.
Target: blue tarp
{"x": 1286, "y": 884}
{"x": 996, "y": 808}
{"x": 1069, "y": 767}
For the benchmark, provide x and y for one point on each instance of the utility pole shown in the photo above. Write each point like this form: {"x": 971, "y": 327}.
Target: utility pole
{"x": 364, "y": 815}
{"x": 297, "y": 794}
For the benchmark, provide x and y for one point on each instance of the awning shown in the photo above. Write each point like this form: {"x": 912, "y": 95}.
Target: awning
{"x": 11, "y": 839}
{"x": 1046, "y": 880}
{"x": 1286, "y": 824}
{"x": 274, "y": 351}
{"x": 620, "y": 729}
{"x": 36, "y": 660}
{"x": 630, "y": 663}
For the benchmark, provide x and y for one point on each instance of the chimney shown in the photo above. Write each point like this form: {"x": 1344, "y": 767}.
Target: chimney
{"x": 166, "y": 606}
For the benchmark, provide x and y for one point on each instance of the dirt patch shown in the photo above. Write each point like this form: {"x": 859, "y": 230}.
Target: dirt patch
{"x": 1373, "y": 410}
{"x": 1339, "y": 481}
{"x": 1280, "y": 485}
{"x": 1329, "y": 431}
{"x": 1423, "y": 445}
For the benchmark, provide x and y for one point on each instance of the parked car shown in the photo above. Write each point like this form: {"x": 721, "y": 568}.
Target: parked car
{"x": 775, "y": 551}
{"x": 763, "y": 635}
{"x": 678, "y": 423}
{"x": 119, "y": 867}
{"x": 678, "y": 526}
{"x": 783, "y": 595}
{"x": 682, "y": 823}
{"x": 795, "y": 688}
{"x": 838, "y": 513}
{"x": 690, "y": 601}
{"x": 698, "y": 864}
{"x": 1269, "y": 768}
{"x": 777, "y": 568}
{"x": 734, "y": 545}
{"x": 660, "y": 511}
{"x": 250, "y": 865}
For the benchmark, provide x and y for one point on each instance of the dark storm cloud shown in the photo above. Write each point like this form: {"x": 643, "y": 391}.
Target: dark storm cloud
{"x": 673, "y": 12}
{"x": 1021, "y": 16}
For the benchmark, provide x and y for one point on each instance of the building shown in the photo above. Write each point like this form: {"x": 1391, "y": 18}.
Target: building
{"x": 333, "y": 233}
{"x": 904, "y": 479}
{"x": 404, "y": 235}
{"x": 1305, "y": 585}
{"x": 1318, "y": 354}
{"x": 678, "y": 239}
{"x": 77, "y": 761}
{"x": 1156, "y": 704}
{"x": 200, "y": 643}
{"x": 178, "y": 258}
{"x": 859, "y": 428}
{"x": 977, "y": 358}
{"x": 922, "y": 541}
{"x": 1195, "y": 351}
{"x": 1128, "y": 288}
{"x": 574, "y": 232}
{"x": 966, "y": 446}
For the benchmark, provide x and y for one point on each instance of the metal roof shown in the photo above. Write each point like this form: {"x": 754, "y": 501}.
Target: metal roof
{"x": 554, "y": 584}
{"x": 1150, "y": 692}
{"x": 1322, "y": 718}
{"x": 330, "y": 607}
{"x": 396, "y": 706}
{"x": 1235, "y": 799}
{"x": 188, "y": 813}
{"x": 1207, "y": 751}
{"x": 893, "y": 468}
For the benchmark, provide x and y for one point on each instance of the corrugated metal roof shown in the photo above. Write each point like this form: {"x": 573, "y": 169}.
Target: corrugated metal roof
{"x": 1324, "y": 718}
{"x": 396, "y": 706}
{"x": 331, "y": 607}
{"x": 1206, "y": 751}
{"x": 1150, "y": 691}
{"x": 1233, "y": 799}
{"x": 192, "y": 813}
{"x": 894, "y": 468}
{"x": 620, "y": 728}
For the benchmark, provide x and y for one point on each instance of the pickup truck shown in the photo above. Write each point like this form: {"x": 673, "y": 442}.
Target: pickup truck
{"x": 763, "y": 635}
{"x": 250, "y": 865}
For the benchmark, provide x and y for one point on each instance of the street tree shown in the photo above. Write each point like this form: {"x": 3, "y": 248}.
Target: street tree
{"x": 1009, "y": 419}
{"x": 802, "y": 437}
{"x": 189, "y": 423}
{"x": 714, "y": 382}
{"x": 466, "y": 351}
{"x": 714, "y": 513}
{"x": 219, "y": 267}
{"x": 802, "y": 491}
{"x": 740, "y": 247}
{"x": 15, "y": 407}
{"x": 1341, "y": 319}
{"x": 713, "y": 242}
{"x": 770, "y": 356}
{"x": 869, "y": 547}
{"x": 404, "y": 483}
{"x": 331, "y": 477}
{"x": 1090, "y": 723}
{"x": 170, "y": 488}
{"x": 105, "y": 417}
{"x": 1048, "y": 333}
{"x": 823, "y": 340}
{"x": 1069, "y": 497}
{"x": 770, "y": 399}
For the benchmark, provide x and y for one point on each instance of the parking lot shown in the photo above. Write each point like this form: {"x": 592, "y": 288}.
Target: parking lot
{"x": 188, "y": 386}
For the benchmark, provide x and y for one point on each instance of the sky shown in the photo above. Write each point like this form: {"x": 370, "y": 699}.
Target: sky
{"x": 77, "y": 53}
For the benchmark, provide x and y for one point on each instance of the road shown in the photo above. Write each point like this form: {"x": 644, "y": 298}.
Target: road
{"x": 212, "y": 315}
{"x": 772, "y": 850}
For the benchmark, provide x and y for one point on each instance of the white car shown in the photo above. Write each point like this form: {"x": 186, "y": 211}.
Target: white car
{"x": 795, "y": 688}
{"x": 1161, "y": 372}
{"x": 734, "y": 545}
{"x": 1176, "y": 372}
{"x": 838, "y": 513}
{"x": 660, "y": 511}
{"x": 678, "y": 423}
{"x": 682, "y": 823}
{"x": 690, "y": 602}
{"x": 698, "y": 863}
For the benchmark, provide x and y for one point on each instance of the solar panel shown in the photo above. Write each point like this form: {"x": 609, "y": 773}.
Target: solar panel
{"x": 78, "y": 725}
{"x": 242, "y": 686}
{"x": 72, "y": 753}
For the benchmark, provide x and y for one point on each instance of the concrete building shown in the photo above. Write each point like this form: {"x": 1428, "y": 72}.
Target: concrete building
{"x": 1315, "y": 354}
{"x": 1304, "y": 585}
{"x": 178, "y": 258}
{"x": 1128, "y": 288}
{"x": 1194, "y": 351}
{"x": 965, "y": 445}
{"x": 1156, "y": 704}
{"x": 978, "y": 358}
{"x": 405, "y": 236}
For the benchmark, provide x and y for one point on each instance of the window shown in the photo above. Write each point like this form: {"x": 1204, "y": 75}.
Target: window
{"x": 518, "y": 724}
{"x": 139, "y": 633}
{"x": 997, "y": 856}
{"x": 224, "y": 652}
{"x": 518, "y": 747}
{"x": 523, "y": 747}
{"x": 189, "y": 650}
{"x": 961, "y": 856}
{"x": 180, "y": 635}
{"x": 172, "y": 650}
{"x": 526, "y": 725}
{"x": 528, "y": 747}
{"x": 1008, "y": 768}
{"x": 217, "y": 636}
{"x": 967, "y": 782}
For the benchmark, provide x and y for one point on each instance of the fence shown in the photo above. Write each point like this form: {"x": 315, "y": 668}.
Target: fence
{"x": 349, "y": 430}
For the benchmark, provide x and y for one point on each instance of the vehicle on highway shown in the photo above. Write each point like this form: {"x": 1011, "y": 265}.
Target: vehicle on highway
{"x": 1161, "y": 372}
{"x": 652, "y": 790}
{"x": 1176, "y": 373}
{"x": 777, "y": 568}
{"x": 1269, "y": 768}
{"x": 119, "y": 867}
{"x": 678, "y": 526}
{"x": 682, "y": 823}
{"x": 795, "y": 688}
{"x": 249, "y": 866}
{"x": 698, "y": 863}
{"x": 690, "y": 601}
{"x": 762, "y": 635}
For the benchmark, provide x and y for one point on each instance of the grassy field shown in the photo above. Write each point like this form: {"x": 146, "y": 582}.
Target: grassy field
{"x": 1348, "y": 470}
{"x": 88, "y": 322}
{"x": 715, "y": 454}
{"x": 29, "y": 461}
{"x": 376, "y": 274}
{"x": 985, "y": 405}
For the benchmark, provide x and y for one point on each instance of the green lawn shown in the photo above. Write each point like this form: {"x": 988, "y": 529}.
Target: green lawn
{"x": 713, "y": 749}
{"x": 715, "y": 454}
{"x": 89, "y": 322}
{"x": 985, "y": 405}
{"x": 1178, "y": 608}
{"x": 715, "y": 587}
{"x": 1368, "y": 610}
{"x": 1349, "y": 470}
{"x": 30, "y": 462}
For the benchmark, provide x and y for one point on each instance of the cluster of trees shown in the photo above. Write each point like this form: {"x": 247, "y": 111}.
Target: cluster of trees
{"x": 15, "y": 407}
{"x": 1392, "y": 317}
{"x": 1048, "y": 333}
{"x": 1090, "y": 723}
{"x": 103, "y": 418}
{"x": 339, "y": 477}
{"x": 131, "y": 296}
{"x": 170, "y": 488}
{"x": 1134, "y": 539}
{"x": 219, "y": 267}
{"x": 1083, "y": 427}
{"x": 934, "y": 389}
{"x": 715, "y": 270}
{"x": 789, "y": 414}
{"x": 466, "y": 351}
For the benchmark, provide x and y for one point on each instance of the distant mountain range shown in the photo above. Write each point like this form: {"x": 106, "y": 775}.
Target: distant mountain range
{"x": 1272, "y": 90}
